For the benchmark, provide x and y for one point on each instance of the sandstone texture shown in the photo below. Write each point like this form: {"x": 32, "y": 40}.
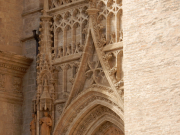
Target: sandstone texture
{"x": 151, "y": 67}
{"x": 11, "y": 25}
{"x": 98, "y": 67}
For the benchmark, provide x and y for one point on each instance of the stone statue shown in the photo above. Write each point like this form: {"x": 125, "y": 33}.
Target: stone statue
{"x": 46, "y": 124}
{"x": 33, "y": 125}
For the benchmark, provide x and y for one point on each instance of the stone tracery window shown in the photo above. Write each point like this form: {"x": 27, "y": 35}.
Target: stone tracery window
{"x": 70, "y": 33}
{"x": 110, "y": 15}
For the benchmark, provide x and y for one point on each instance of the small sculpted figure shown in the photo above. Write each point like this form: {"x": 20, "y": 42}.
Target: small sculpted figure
{"x": 113, "y": 38}
{"x": 46, "y": 124}
{"x": 68, "y": 49}
{"x": 120, "y": 36}
{"x": 33, "y": 125}
{"x": 103, "y": 39}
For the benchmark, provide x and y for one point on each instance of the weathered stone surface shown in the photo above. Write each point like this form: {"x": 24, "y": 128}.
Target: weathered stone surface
{"x": 151, "y": 66}
{"x": 12, "y": 69}
{"x": 90, "y": 53}
{"x": 11, "y": 26}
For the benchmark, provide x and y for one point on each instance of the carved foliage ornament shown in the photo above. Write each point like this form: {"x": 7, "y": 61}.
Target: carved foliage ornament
{"x": 92, "y": 99}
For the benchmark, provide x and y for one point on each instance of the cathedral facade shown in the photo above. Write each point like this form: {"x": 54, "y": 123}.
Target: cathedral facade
{"x": 89, "y": 67}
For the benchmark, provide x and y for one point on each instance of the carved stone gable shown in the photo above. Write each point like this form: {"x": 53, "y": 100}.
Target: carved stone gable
{"x": 80, "y": 51}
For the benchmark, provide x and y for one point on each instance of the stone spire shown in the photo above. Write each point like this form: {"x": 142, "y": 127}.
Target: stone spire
{"x": 45, "y": 86}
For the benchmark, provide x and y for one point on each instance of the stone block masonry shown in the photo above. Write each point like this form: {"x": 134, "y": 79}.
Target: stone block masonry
{"x": 31, "y": 20}
{"x": 151, "y": 66}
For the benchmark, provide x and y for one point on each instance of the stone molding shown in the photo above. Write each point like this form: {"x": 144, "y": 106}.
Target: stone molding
{"x": 80, "y": 64}
{"x": 113, "y": 47}
{"x": 33, "y": 11}
{"x": 68, "y": 58}
{"x": 11, "y": 98}
{"x": 82, "y": 105}
{"x": 13, "y": 63}
{"x": 64, "y": 7}
{"x": 12, "y": 69}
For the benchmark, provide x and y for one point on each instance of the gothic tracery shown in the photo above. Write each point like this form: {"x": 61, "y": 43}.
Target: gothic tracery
{"x": 80, "y": 51}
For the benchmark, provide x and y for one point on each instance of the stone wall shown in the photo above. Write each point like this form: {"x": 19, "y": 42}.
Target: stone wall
{"x": 11, "y": 118}
{"x": 11, "y": 25}
{"x": 29, "y": 86}
{"x": 11, "y": 96}
{"x": 151, "y": 65}
{"x": 31, "y": 19}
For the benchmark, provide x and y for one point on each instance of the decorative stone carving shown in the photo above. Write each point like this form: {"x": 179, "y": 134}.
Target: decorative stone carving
{"x": 46, "y": 124}
{"x": 33, "y": 125}
{"x": 79, "y": 39}
{"x": 113, "y": 38}
{"x": 95, "y": 114}
{"x": 95, "y": 73}
{"x": 60, "y": 108}
{"x": 103, "y": 127}
{"x": 46, "y": 75}
{"x": 69, "y": 32}
{"x": 17, "y": 84}
{"x": 58, "y": 3}
{"x": 12, "y": 69}
{"x": 120, "y": 35}
{"x": 113, "y": 130}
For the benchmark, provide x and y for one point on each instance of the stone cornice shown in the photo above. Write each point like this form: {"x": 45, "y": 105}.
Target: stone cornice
{"x": 112, "y": 47}
{"x": 12, "y": 69}
{"x": 14, "y": 62}
{"x": 67, "y": 58}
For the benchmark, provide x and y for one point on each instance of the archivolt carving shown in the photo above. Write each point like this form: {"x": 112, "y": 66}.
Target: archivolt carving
{"x": 106, "y": 126}
{"x": 62, "y": 67}
{"x": 80, "y": 109}
{"x": 111, "y": 130}
{"x": 103, "y": 128}
{"x": 92, "y": 116}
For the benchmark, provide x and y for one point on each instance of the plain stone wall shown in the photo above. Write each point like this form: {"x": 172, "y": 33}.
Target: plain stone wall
{"x": 11, "y": 25}
{"x": 11, "y": 118}
{"x": 29, "y": 86}
{"x": 152, "y": 67}
{"x": 31, "y": 22}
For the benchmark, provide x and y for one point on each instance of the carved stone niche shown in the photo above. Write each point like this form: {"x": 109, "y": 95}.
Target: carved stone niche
{"x": 12, "y": 69}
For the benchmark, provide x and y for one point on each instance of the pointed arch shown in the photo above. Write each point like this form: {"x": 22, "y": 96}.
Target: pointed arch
{"x": 88, "y": 103}
{"x": 100, "y": 101}
{"x": 45, "y": 73}
{"x": 98, "y": 126}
